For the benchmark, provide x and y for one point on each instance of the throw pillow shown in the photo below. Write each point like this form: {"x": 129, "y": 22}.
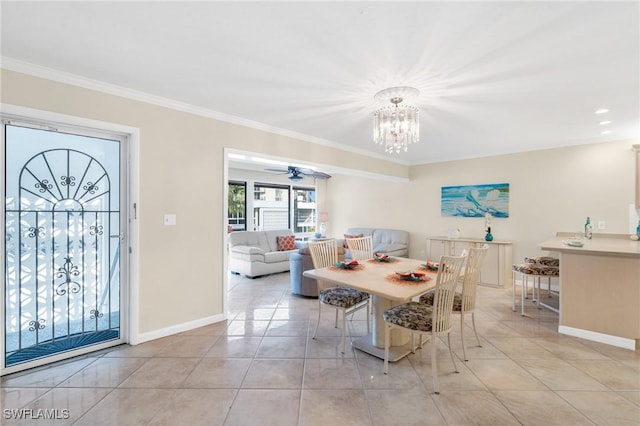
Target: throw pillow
{"x": 287, "y": 242}
{"x": 350, "y": 236}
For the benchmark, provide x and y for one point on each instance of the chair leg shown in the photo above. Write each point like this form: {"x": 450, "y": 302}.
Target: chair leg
{"x": 336, "y": 323}
{"x": 434, "y": 365}
{"x": 549, "y": 288}
{"x": 344, "y": 328}
{"x": 369, "y": 308}
{"x": 387, "y": 342}
{"x": 473, "y": 321}
{"x": 318, "y": 321}
{"x": 453, "y": 359}
{"x": 523, "y": 296}
{"x": 513, "y": 291}
{"x": 464, "y": 348}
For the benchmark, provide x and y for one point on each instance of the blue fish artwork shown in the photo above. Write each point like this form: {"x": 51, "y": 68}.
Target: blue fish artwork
{"x": 475, "y": 200}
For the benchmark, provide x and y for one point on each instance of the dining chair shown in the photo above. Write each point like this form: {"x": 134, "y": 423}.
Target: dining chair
{"x": 428, "y": 321}
{"x": 343, "y": 299}
{"x": 465, "y": 302}
{"x": 360, "y": 248}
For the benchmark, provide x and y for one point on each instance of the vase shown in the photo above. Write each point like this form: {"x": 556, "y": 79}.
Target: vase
{"x": 488, "y": 236}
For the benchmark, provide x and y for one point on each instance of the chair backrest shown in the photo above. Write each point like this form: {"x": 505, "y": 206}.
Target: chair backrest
{"x": 360, "y": 248}
{"x": 448, "y": 274}
{"x": 473, "y": 266}
{"x": 323, "y": 253}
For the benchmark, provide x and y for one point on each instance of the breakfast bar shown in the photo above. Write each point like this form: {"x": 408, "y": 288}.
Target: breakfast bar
{"x": 600, "y": 289}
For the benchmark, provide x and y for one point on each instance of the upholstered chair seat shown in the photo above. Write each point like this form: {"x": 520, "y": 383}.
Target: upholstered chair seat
{"x": 427, "y": 299}
{"x": 412, "y": 315}
{"x": 342, "y": 297}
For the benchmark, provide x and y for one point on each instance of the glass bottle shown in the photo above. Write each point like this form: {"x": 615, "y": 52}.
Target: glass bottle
{"x": 588, "y": 229}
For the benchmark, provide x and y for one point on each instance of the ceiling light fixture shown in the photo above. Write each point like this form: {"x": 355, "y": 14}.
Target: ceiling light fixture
{"x": 601, "y": 111}
{"x": 602, "y": 123}
{"x": 396, "y": 126}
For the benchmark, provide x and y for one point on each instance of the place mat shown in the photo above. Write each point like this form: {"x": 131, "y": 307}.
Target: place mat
{"x": 354, "y": 268}
{"x": 395, "y": 279}
{"x": 394, "y": 260}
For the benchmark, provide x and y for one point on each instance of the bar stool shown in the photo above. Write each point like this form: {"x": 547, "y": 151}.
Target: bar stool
{"x": 536, "y": 271}
{"x": 546, "y": 261}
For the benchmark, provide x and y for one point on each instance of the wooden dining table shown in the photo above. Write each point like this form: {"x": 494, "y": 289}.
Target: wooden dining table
{"x": 380, "y": 280}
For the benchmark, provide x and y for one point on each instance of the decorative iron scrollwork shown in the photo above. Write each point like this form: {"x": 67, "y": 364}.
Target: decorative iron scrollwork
{"x": 33, "y": 231}
{"x": 96, "y": 230}
{"x": 91, "y": 187}
{"x": 43, "y": 185}
{"x": 67, "y": 180}
{"x": 66, "y": 272}
{"x": 95, "y": 314}
{"x": 36, "y": 325}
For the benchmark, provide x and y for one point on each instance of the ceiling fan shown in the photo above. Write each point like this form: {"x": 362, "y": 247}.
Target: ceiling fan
{"x": 299, "y": 173}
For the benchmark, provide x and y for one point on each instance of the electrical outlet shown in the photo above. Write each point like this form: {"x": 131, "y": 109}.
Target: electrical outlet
{"x": 601, "y": 224}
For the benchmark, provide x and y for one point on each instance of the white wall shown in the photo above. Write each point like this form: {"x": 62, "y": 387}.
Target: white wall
{"x": 550, "y": 190}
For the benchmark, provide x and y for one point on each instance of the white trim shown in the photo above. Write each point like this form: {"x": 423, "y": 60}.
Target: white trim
{"x": 620, "y": 342}
{"x": 178, "y": 328}
{"x": 112, "y": 89}
{"x": 129, "y": 332}
{"x": 271, "y": 161}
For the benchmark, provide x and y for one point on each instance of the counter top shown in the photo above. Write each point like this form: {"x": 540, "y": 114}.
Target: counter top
{"x": 607, "y": 246}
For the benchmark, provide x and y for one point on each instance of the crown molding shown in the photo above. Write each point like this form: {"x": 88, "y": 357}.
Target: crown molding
{"x": 28, "y": 68}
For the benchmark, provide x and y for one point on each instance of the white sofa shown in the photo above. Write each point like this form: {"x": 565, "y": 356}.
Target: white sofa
{"x": 255, "y": 253}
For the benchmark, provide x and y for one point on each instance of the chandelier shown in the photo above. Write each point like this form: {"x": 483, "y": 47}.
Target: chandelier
{"x": 396, "y": 126}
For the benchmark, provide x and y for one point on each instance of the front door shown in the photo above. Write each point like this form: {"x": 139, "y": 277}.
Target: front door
{"x": 63, "y": 233}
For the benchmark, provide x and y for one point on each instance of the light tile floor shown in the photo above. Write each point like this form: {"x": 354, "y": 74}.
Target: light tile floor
{"x": 261, "y": 367}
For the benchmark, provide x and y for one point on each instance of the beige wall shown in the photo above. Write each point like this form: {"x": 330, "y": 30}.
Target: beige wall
{"x": 550, "y": 190}
{"x": 181, "y": 171}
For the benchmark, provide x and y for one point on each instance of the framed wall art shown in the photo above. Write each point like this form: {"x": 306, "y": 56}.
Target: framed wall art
{"x": 475, "y": 200}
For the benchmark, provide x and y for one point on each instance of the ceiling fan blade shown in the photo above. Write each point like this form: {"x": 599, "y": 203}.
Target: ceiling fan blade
{"x": 318, "y": 175}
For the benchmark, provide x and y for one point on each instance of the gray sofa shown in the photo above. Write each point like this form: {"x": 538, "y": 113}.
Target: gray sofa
{"x": 299, "y": 262}
{"x": 255, "y": 253}
{"x": 390, "y": 241}
{"x": 393, "y": 242}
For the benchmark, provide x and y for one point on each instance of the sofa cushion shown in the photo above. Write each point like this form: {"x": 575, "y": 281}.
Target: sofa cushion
{"x": 272, "y": 238}
{"x": 286, "y": 242}
{"x": 276, "y": 256}
{"x": 388, "y": 248}
{"x": 248, "y": 250}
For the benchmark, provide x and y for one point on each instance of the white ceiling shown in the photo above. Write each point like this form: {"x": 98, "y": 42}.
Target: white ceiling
{"x": 494, "y": 77}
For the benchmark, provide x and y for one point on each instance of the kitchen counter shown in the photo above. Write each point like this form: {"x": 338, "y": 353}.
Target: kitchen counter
{"x": 600, "y": 289}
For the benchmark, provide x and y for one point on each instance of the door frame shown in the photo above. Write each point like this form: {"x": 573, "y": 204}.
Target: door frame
{"x": 131, "y": 171}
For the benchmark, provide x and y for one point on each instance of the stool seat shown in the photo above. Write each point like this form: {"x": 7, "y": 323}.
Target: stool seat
{"x": 535, "y": 267}
{"x": 543, "y": 260}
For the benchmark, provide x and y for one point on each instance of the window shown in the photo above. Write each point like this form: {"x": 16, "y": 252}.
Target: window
{"x": 237, "y": 206}
{"x": 304, "y": 211}
{"x": 271, "y": 207}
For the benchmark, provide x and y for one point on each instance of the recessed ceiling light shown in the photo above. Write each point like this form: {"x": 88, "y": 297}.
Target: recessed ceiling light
{"x": 602, "y": 123}
{"x": 606, "y": 132}
{"x": 601, "y": 111}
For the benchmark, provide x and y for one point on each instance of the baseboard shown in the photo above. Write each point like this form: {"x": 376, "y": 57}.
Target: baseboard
{"x": 175, "y": 329}
{"x": 620, "y": 342}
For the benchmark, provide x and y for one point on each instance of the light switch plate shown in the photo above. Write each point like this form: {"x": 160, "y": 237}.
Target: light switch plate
{"x": 169, "y": 220}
